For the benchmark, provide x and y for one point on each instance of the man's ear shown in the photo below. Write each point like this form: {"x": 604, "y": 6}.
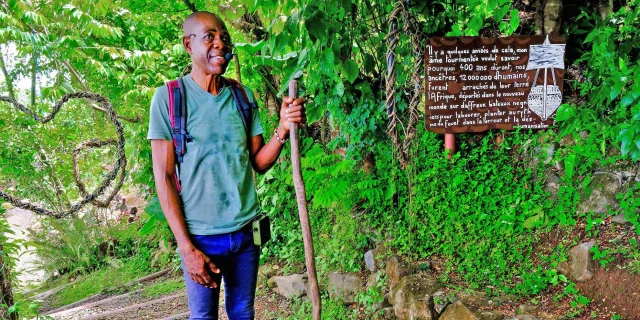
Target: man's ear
{"x": 186, "y": 43}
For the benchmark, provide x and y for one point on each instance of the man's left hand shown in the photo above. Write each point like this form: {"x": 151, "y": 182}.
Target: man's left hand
{"x": 292, "y": 111}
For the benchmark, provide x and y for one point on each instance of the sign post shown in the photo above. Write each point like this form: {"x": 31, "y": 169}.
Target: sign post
{"x": 475, "y": 84}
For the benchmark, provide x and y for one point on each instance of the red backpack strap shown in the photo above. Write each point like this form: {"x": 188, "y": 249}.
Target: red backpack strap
{"x": 173, "y": 88}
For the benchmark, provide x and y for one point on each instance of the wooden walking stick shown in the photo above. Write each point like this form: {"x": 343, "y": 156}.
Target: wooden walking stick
{"x": 301, "y": 196}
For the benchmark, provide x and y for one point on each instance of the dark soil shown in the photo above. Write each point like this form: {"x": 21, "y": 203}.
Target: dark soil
{"x": 615, "y": 290}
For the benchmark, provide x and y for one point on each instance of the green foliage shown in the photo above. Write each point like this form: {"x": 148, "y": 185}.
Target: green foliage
{"x": 612, "y": 89}
{"x": 482, "y": 212}
{"x": 107, "y": 278}
{"x": 81, "y": 245}
{"x": 373, "y": 296}
{"x": 163, "y": 288}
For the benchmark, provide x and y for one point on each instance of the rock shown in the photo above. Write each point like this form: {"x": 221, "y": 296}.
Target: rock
{"x": 388, "y": 313}
{"x": 502, "y": 300}
{"x": 522, "y": 317}
{"x": 369, "y": 260}
{"x": 527, "y": 309}
{"x": 564, "y": 269}
{"x": 476, "y": 299}
{"x": 440, "y": 301}
{"x": 412, "y": 297}
{"x": 343, "y": 286}
{"x": 7, "y": 206}
{"x": 567, "y": 141}
{"x": 543, "y": 153}
{"x": 605, "y": 187}
{"x": 292, "y": 286}
{"x": 298, "y": 267}
{"x": 267, "y": 271}
{"x": 491, "y": 315}
{"x": 373, "y": 258}
{"x": 458, "y": 311}
{"x": 581, "y": 262}
{"x": 619, "y": 219}
{"x": 584, "y": 134}
{"x": 396, "y": 270}
{"x": 271, "y": 283}
{"x": 552, "y": 185}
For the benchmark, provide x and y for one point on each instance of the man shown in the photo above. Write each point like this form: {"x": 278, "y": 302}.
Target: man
{"x": 211, "y": 215}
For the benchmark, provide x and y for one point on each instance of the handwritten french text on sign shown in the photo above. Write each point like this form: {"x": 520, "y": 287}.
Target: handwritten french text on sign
{"x": 475, "y": 84}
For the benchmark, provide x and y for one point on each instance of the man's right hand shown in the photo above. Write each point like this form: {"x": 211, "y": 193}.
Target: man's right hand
{"x": 199, "y": 267}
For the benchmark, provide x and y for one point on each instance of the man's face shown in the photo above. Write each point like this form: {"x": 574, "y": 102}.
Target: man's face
{"x": 207, "y": 42}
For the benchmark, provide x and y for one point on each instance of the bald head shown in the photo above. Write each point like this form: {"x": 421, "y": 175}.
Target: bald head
{"x": 194, "y": 22}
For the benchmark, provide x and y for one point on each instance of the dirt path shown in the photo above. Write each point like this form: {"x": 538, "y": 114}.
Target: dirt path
{"x": 27, "y": 273}
{"x": 135, "y": 305}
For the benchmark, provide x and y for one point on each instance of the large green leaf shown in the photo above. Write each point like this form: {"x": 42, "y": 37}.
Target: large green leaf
{"x": 154, "y": 209}
{"x": 251, "y": 48}
{"x": 350, "y": 70}
{"x": 316, "y": 23}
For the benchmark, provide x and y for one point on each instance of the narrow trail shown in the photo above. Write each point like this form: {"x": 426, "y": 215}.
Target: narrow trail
{"x": 136, "y": 305}
{"x": 20, "y": 221}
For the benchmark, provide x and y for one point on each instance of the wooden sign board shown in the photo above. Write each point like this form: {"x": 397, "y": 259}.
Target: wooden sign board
{"x": 474, "y": 84}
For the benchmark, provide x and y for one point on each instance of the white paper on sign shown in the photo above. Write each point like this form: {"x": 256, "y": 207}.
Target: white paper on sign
{"x": 546, "y": 56}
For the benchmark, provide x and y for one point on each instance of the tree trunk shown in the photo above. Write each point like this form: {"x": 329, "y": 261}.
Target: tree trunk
{"x": 6, "y": 294}
{"x": 548, "y": 16}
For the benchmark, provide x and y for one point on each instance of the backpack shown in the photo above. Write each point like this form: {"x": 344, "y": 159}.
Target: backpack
{"x": 178, "y": 116}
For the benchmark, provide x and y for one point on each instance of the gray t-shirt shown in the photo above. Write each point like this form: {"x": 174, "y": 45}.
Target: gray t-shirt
{"x": 218, "y": 193}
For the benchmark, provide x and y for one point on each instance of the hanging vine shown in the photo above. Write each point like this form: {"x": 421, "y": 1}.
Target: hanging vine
{"x": 117, "y": 171}
{"x": 410, "y": 27}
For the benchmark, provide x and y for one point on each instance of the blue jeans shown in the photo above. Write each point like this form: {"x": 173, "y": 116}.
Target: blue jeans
{"x": 238, "y": 258}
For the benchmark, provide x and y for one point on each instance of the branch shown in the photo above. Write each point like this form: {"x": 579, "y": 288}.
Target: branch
{"x": 93, "y": 105}
{"x": 34, "y": 75}
{"x": 6, "y": 76}
{"x": 190, "y": 5}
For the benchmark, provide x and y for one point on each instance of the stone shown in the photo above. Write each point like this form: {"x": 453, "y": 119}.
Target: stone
{"x": 564, "y": 269}
{"x": 552, "y": 185}
{"x": 581, "y": 261}
{"x": 388, "y": 313}
{"x": 459, "y": 311}
{"x": 619, "y": 219}
{"x": 271, "y": 283}
{"x": 6, "y": 206}
{"x": 343, "y": 286}
{"x": 567, "y": 141}
{"x": 475, "y": 298}
{"x": 491, "y": 315}
{"x": 543, "y": 153}
{"x": 503, "y": 300}
{"x": 411, "y": 297}
{"x": 369, "y": 260}
{"x": 527, "y": 309}
{"x": 290, "y": 287}
{"x": 605, "y": 187}
{"x": 298, "y": 267}
{"x": 267, "y": 271}
{"x": 396, "y": 270}
{"x": 522, "y": 317}
{"x": 372, "y": 280}
{"x": 440, "y": 301}
{"x": 584, "y": 135}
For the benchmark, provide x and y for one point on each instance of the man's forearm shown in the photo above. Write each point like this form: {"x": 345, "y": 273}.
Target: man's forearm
{"x": 170, "y": 203}
{"x": 269, "y": 153}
